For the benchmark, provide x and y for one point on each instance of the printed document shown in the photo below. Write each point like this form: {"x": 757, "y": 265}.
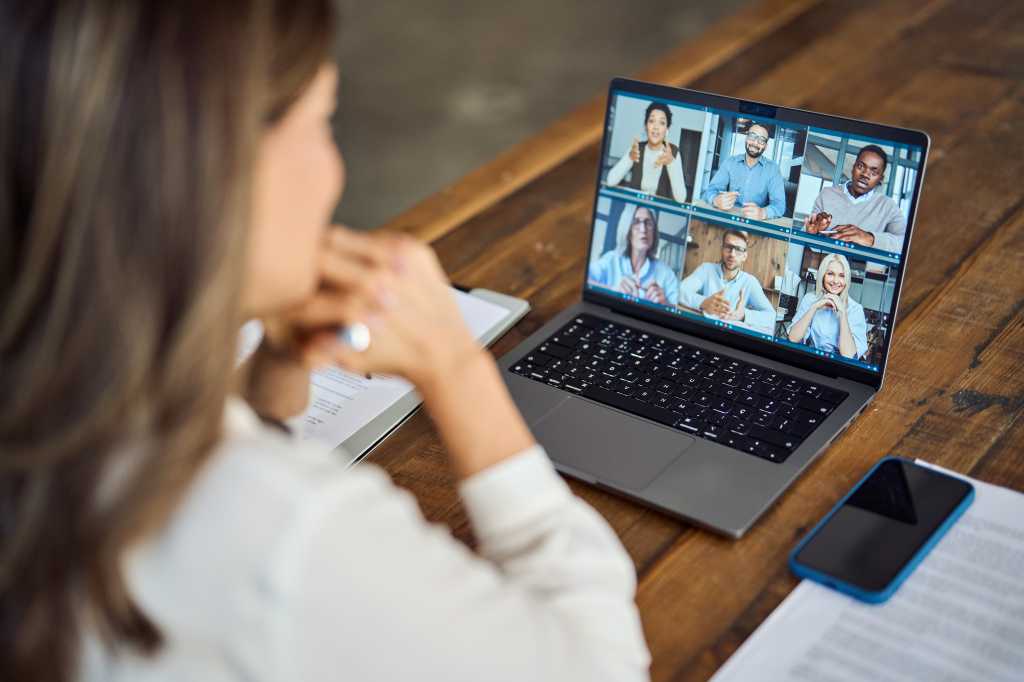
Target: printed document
{"x": 959, "y": 616}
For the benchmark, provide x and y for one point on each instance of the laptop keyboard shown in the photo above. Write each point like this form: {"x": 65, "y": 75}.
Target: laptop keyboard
{"x": 738, "y": 404}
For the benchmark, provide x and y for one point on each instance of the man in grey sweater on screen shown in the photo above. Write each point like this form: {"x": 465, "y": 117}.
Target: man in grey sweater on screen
{"x": 858, "y": 211}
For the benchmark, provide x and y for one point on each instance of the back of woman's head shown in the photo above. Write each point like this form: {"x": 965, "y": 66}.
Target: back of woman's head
{"x": 127, "y": 136}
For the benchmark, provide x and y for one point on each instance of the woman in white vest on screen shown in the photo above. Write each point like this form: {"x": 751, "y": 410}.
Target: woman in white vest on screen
{"x": 654, "y": 166}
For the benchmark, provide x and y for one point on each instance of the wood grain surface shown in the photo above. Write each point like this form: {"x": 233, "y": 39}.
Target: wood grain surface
{"x": 954, "y": 391}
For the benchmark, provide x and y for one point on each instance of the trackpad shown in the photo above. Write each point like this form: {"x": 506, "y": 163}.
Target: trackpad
{"x": 609, "y": 445}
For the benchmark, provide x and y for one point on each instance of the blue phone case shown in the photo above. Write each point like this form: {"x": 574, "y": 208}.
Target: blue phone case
{"x": 802, "y": 571}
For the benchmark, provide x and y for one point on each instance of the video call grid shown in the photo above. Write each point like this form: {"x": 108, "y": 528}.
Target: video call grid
{"x": 900, "y": 154}
{"x": 903, "y": 157}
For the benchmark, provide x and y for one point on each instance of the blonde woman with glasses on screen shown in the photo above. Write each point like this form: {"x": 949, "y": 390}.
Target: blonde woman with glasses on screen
{"x": 167, "y": 170}
{"x": 827, "y": 318}
{"x": 633, "y": 268}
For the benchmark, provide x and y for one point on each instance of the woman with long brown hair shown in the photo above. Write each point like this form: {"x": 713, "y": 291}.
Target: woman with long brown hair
{"x": 166, "y": 172}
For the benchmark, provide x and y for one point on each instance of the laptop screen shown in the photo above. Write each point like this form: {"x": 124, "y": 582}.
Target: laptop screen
{"x": 786, "y": 232}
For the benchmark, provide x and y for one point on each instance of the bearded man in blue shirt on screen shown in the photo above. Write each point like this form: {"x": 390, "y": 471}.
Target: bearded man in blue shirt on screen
{"x": 724, "y": 291}
{"x": 749, "y": 181}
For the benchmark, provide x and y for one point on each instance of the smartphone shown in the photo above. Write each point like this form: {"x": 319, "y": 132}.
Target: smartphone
{"x": 875, "y": 537}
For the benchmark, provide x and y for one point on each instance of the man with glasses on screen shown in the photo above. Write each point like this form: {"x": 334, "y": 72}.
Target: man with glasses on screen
{"x": 858, "y": 211}
{"x": 749, "y": 180}
{"x": 724, "y": 291}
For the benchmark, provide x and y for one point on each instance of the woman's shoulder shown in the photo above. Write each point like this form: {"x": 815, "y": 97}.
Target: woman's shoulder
{"x": 608, "y": 257}
{"x": 854, "y": 307}
{"x": 258, "y": 491}
{"x": 661, "y": 268}
{"x": 806, "y": 300}
{"x": 223, "y": 568}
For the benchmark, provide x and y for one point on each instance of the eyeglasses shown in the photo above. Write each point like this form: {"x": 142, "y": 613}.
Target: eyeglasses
{"x": 759, "y": 139}
{"x": 734, "y": 248}
{"x": 646, "y": 222}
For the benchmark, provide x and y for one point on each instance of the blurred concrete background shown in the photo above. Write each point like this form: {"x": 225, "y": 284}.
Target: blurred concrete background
{"x": 431, "y": 90}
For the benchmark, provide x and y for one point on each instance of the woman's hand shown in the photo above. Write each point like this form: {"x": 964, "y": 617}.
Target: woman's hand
{"x": 837, "y": 304}
{"x": 629, "y": 286}
{"x": 634, "y": 151}
{"x": 666, "y": 157}
{"x": 353, "y": 283}
{"x": 831, "y": 301}
{"x": 419, "y": 333}
{"x": 416, "y": 328}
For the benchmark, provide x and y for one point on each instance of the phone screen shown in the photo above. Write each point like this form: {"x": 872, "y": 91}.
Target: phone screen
{"x": 881, "y": 526}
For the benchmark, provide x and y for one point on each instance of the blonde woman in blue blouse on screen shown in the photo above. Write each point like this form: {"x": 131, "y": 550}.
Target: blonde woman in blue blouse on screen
{"x": 828, "y": 318}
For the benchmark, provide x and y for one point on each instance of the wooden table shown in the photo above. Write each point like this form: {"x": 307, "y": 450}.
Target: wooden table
{"x": 954, "y": 392}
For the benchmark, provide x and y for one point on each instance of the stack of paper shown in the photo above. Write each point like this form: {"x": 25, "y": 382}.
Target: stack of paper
{"x": 960, "y": 615}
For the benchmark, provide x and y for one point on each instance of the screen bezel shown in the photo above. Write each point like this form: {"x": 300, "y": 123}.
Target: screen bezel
{"x": 765, "y": 348}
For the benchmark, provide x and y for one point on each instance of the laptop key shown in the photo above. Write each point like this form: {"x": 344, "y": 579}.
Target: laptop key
{"x": 652, "y": 412}
{"x": 719, "y": 418}
{"x": 538, "y": 359}
{"x": 682, "y": 392}
{"x": 811, "y": 390}
{"x": 783, "y": 440}
{"x": 831, "y": 395}
{"x": 734, "y": 441}
{"x": 713, "y": 431}
{"x": 771, "y": 452}
{"x": 815, "y": 405}
{"x": 556, "y": 350}
{"x": 691, "y": 424}
{"x": 739, "y": 426}
{"x": 751, "y": 400}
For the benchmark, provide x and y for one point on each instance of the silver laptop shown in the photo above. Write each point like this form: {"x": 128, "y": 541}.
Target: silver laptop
{"x": 743, "y": 274}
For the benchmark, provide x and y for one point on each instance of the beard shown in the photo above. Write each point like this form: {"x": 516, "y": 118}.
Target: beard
{"x": 755, "y": 152}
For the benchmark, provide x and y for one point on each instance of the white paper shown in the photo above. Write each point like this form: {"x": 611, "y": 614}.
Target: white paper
{"x": 340, "y": 402}
{"x": 960, "y": 615}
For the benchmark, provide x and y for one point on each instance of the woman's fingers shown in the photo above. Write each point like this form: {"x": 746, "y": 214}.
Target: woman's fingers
{"x": 370, "y": 248}
{"x": 330, "y": 310}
